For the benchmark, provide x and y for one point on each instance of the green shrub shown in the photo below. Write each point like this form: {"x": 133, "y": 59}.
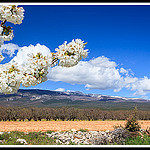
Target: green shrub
{"x": 49, "y": 131}
{"x": 1, "y": 137}
{"x": 132, "y": 123}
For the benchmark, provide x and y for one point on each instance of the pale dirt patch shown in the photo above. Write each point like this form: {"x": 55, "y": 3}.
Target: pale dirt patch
{"x": 36, "y": 126}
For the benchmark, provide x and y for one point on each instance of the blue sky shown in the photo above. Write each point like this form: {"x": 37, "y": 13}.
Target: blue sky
{"x": 120, "y": 33}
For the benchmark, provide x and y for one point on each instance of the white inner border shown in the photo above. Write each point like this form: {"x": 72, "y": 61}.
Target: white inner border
{"x": 77, "y": 3}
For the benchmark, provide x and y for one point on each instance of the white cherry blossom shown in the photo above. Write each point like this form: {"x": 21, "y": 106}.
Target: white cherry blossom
{"x": 70, "y": 54}
{"x": 12, "y": 13}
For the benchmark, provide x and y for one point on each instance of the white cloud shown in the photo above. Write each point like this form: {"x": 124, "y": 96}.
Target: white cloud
{"x": 9, "y": 49}
{"x": 98, "y": 73}
{"x": 123, "y": 71}
{"x": 60, "y": 89}
{"x": 141, "y": 86}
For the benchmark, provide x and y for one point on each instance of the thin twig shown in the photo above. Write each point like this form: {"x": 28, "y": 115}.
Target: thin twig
{"x": 54, "y": 60}
{"x": 3, "y": 22}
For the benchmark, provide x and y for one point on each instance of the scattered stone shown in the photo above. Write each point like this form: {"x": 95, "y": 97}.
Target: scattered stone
{"x": 26, "y": 132}
{"x": 1, "y": 141}
{"x": 91, "y": 137}
{"x": 107, "y": 131}
{"x": 49, "y": 135}
{"x": 112, "y": 137}
{"x": 22, "y": 141}
{"x": 142, "y": 130}
{"x": 73, "y": 130}
{"x": 86, "y": 142}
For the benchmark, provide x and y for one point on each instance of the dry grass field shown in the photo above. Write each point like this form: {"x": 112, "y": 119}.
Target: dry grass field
{"x": 36, "y": 126}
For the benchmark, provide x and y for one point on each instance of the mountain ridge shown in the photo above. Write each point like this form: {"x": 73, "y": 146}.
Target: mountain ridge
{"x": 49, "y": 98}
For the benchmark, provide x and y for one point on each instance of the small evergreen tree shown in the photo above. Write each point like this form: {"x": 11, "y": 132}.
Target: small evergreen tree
{"x": 132, "y": 123}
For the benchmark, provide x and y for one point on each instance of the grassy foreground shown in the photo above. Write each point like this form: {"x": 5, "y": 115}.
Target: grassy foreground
{"x": 145, "y": 140}
{"x": 32, "y": 138}
{"x": 40, "y": 138}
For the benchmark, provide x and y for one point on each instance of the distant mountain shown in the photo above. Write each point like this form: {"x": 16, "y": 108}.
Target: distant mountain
{"x": 47, "y": 98}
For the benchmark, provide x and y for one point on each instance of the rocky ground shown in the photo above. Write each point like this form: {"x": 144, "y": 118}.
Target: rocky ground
{"x": 91, "y": 137}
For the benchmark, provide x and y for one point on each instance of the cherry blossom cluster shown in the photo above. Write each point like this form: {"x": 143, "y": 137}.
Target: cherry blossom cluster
{"x": 35, "y": 71}
{"x": 10, "y": 78}
{"x": 70, "y": 54}
{"x": 9, "y": 13}
{"x": 30, "y": 74}
{"x": 12, "y": 14}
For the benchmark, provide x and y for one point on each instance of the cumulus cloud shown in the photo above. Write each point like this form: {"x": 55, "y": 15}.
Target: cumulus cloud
{"x": 141, "y": 86}
{"x": 100, "y": 73}
{"x": 9, "y": 49}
